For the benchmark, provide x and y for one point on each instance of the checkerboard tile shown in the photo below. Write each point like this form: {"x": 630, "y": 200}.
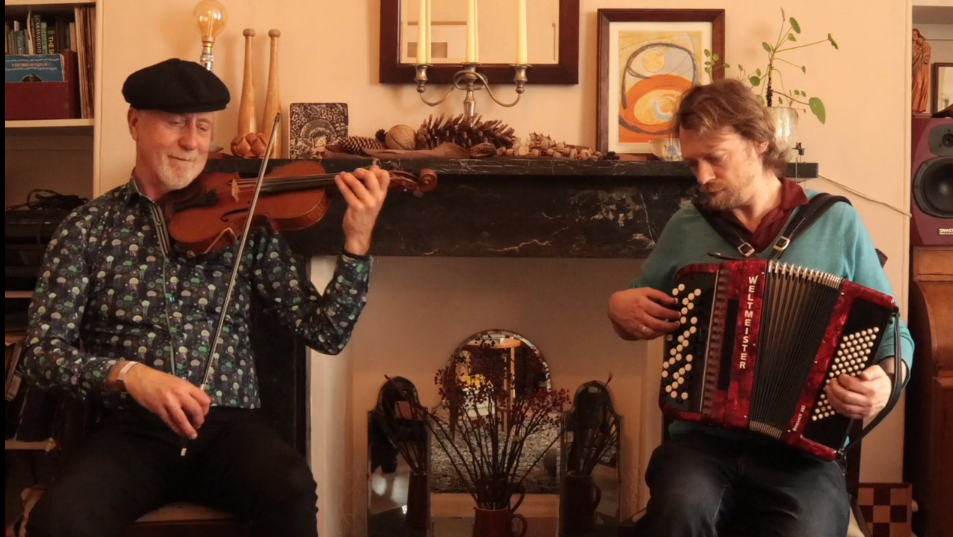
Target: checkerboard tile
{"x": 886, "y": 508}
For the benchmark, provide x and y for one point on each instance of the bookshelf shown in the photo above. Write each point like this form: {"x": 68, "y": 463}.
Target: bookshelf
{"x": 53, "y": 154}
{"x": 56, "y": 154}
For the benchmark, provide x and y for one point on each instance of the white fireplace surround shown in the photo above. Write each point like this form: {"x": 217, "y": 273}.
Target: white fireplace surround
{"x": 419, "y": 309}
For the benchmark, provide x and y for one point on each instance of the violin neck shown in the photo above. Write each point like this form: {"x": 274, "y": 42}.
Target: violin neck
{"x": 302, "y": 182}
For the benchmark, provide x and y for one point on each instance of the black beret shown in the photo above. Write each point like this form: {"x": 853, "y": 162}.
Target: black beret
{"x": 175, "y": 86}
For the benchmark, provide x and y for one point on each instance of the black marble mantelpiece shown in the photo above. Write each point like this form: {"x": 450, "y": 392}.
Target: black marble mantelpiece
{"x": 511, "y": 207}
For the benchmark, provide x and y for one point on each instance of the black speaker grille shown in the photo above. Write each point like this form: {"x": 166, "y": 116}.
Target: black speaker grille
{"x": 933, "y": 187}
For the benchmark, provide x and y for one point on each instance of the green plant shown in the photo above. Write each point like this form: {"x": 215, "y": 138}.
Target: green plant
{"x": 764, "y": 79}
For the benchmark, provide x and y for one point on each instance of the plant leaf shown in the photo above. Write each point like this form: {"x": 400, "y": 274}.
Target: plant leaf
{"x": 804, "y": 69}
{"x": 727, "y": 66}
{"x": 716, "y": 57}
{"x": 758, "y": 72}
{"x": 707, "y": 53}
{"x": 791, "y": 37}
{"x": 831, "y": 39}
{"x": 766, "y": 46}
{"x": 755, "y": 81}
{"x": 817, "y": 106}
{"x": 780, "y": 100}
{"x": 783, "y": 17}
{"x": 795, "y": 26}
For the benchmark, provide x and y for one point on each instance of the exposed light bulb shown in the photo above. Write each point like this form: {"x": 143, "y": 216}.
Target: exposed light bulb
{"x": 211, "y": 18}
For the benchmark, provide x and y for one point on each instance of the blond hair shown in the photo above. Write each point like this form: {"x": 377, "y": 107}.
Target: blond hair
{"x": 729, "y": 104}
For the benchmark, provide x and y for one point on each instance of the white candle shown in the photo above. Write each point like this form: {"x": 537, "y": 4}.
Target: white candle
{"x": 471, "y": 31}
{"x": 476, "y": 29}
{"x": 422, "y": 33}
{"x": 521, "y": 33}
{"x": 429, "y": 34}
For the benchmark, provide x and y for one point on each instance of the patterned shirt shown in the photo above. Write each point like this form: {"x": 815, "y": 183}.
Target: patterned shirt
{"x": 111, "y": 289}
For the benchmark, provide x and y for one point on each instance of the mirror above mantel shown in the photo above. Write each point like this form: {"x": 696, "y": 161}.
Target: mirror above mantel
{"x": 552, "y": 40}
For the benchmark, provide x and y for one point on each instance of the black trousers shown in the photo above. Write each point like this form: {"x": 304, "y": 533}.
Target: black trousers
{"x": 131, "y": 465}
{"x": 703, "y": 485}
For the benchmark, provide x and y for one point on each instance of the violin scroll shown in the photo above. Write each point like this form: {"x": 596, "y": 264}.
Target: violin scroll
{"x": 418, "y": 185}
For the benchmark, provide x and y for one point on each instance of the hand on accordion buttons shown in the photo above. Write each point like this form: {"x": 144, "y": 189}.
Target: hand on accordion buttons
{"x": 642, "y": 313}
{"x": 860, "y": 397}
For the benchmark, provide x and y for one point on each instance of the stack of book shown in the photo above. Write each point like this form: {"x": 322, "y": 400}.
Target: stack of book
{"x": 57, "y": 51}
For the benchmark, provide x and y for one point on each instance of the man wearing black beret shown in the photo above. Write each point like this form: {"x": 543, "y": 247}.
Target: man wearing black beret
{"x": 122, "y": 319}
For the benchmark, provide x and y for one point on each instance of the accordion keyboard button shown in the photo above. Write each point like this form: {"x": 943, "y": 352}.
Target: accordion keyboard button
{"x": 688, "y": 367}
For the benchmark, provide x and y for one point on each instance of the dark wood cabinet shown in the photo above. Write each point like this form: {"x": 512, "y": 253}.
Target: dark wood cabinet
{"x": 928, "y": 463}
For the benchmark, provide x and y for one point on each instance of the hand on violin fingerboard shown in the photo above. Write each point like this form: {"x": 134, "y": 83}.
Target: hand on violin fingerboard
{"x": 365, "y": 191}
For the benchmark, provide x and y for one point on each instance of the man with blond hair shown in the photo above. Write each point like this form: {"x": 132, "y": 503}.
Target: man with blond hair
{"x": 703, "y": 479}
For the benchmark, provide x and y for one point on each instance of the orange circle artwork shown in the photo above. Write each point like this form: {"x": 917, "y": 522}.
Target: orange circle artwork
{"x": 651, "y": 107}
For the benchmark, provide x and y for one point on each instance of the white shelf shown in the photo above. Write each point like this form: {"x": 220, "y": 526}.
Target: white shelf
{"x": 41, "y": 3}
{"x": 18, "y": 294}
{"x": 45, "y": 445}
{"x": 48, "y": 123}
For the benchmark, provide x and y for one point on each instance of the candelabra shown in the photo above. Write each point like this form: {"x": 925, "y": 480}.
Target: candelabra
{"x": 470, "y": 80}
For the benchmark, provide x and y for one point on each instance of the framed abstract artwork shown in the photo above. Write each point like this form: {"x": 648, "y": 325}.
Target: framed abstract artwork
{"x": 647, "y": 59}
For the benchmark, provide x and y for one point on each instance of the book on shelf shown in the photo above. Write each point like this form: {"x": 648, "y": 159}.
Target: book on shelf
{"x": 27, "y": 68}
{"x": 70, "y": 33}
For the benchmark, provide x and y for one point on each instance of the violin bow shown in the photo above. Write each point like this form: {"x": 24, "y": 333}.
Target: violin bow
{"x": 243, "y": 242}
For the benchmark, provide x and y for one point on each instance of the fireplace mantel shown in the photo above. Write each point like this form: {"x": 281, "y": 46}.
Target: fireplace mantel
{"x": 512, "y": 207}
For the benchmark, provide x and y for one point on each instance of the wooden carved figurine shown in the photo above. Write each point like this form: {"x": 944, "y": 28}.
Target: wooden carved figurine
{"x": 248, "y": 142}
{"x": 922, "y": 52}
{"x": 272, "y": 100}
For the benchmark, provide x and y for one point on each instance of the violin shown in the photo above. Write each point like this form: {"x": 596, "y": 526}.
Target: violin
{"x": 211, "y": 213}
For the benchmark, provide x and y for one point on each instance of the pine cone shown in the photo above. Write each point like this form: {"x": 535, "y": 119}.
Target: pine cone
{"x": 355, "y": 145}
{"x": 460, "y": 131}
{"x": 381, "y": 135}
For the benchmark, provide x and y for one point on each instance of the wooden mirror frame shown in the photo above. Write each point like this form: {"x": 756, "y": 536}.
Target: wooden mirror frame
{"x": 935, "y": 84}
{"x": 392, "y": 71}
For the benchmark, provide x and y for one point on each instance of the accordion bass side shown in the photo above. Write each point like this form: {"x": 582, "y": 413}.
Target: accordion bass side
{"x": 758, "y": 341}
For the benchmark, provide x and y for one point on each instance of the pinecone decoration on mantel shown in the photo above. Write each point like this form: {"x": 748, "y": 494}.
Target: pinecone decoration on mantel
{"x": 355, "y": 145}
{"x": 542, "y": 145}
{"x": 463, "y": 132}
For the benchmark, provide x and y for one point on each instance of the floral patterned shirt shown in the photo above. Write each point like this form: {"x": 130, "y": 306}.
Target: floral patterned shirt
{"x": 111, "y": 289}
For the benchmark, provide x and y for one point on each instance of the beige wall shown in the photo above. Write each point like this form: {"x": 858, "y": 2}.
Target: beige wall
{"x": 421, "y": 308}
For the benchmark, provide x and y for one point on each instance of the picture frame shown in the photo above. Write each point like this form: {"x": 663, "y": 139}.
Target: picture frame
{"x": 663, "y": 54}
{"x": 941, "y": 86}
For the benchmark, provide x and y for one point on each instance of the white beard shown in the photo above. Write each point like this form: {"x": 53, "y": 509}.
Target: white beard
{"x": 177, "y": 174}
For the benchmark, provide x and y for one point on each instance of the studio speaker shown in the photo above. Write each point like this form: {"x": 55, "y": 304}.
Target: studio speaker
{"x": 932, "y": 207}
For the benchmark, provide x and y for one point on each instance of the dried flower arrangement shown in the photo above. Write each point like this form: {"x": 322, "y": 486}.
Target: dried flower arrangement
{"x": 486, "y": 414}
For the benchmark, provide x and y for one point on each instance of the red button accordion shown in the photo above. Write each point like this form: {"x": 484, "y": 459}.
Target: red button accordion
{"x": 758, "y": 341}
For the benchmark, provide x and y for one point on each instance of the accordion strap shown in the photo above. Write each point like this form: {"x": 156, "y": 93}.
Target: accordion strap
{"x": 803, "y": 219}
{"x": 800, "y": 222}
{"x": 896, "y": 388}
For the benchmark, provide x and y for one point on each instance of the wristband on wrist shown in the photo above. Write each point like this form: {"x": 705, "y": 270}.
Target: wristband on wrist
{"x": 121, "y": 378}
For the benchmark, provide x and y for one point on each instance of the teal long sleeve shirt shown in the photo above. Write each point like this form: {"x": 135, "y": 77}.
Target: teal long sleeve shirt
{"x": 837, "y": 243}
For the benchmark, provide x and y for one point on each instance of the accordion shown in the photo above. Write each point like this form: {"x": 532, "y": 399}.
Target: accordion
{"x": 758, "y": 341}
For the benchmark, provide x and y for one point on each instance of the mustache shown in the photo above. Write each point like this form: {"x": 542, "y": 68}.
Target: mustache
{"x": 190, "y": 157}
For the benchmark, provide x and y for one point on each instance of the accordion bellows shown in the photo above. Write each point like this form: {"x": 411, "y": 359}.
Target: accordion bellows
{"x": 758, "y": 341}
